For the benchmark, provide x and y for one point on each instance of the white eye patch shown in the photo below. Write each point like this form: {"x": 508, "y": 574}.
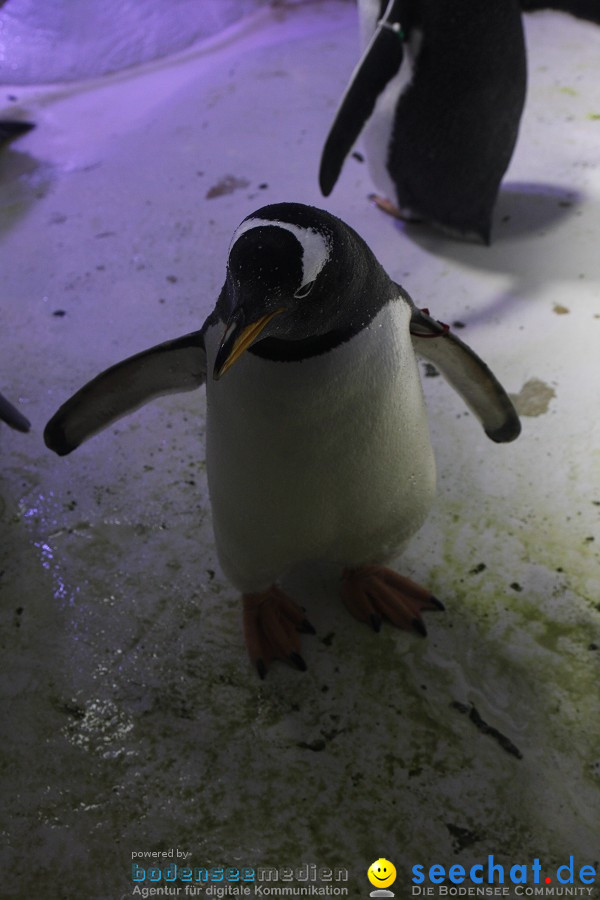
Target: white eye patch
{"x": 315, "y": 246}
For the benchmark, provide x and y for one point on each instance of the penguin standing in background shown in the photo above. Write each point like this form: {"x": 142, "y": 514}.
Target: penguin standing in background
{"x": 439, "y": 90}
{"x": 318, "y": 445}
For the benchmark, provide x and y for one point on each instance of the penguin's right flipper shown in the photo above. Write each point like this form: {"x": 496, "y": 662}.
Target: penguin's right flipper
{"x": 10, "y": 129}
{"x": 12, "y": 416}
{"x": 168, "y": 368}
{"x": 378, "y": 65}
{"x": 468, "y": 375}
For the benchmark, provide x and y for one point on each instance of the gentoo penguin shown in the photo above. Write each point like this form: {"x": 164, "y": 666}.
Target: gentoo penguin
{"x": 12, "y": 416}
{"x": 442, "y": 85}
{"x": 318, "y": 446}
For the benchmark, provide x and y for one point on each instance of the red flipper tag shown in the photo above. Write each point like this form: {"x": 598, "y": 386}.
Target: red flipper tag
{"x": 445, "y": 328}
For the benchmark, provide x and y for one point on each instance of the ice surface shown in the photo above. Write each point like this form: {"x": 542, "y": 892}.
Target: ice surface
{"x": 64, "y": 40}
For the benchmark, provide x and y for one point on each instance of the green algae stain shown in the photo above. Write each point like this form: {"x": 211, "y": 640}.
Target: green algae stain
{"x": 534, "y": 398}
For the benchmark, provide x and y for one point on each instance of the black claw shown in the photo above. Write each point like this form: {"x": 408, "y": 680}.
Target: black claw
{"x": 375, "y": 622}
{"x": 437, "y": 603}
{"x": 297, "y": 660}
{"x": 419, "y": 626}
{"x": 306, "y": 628}
{"x": 261, "y": 669}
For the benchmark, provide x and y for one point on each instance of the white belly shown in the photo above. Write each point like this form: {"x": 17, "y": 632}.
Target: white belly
{"x": 328, "y": 459}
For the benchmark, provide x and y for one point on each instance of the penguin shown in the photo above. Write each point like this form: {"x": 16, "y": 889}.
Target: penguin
{"x": 11, "y": 416}
{"x": 439, "y": 91}
{"x": 318, "y": 445}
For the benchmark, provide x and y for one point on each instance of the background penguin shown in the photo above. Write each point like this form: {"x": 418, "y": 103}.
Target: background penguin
{"x": 318, "y": 445}
{"x": 442, "y": 85}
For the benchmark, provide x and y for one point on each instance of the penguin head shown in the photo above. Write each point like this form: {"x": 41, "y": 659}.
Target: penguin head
{"x": 283, "y": 279}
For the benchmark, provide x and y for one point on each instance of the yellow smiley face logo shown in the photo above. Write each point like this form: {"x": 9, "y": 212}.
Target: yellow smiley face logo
{"x": 382, "y": 873}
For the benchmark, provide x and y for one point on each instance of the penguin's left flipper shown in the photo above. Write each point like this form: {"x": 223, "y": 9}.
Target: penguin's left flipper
{"x": 12, "y": 416}
{"x": 377, "y": 66}
{"x": 272, "y": 625}
{"x": 468, "y": 375}
{"x": 172, "y": 367}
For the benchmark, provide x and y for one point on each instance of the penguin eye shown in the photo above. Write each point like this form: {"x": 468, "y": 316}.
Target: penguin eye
{"x": 305, "y": 290}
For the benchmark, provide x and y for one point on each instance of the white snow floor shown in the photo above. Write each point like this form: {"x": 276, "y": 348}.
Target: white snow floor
{"x": 134, "y": 721}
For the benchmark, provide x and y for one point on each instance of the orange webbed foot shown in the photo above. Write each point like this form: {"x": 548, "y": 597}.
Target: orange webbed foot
{"x": 390, "y": 208}
{"x": 272, "y": 625}
{"x": 373, "y": 593}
